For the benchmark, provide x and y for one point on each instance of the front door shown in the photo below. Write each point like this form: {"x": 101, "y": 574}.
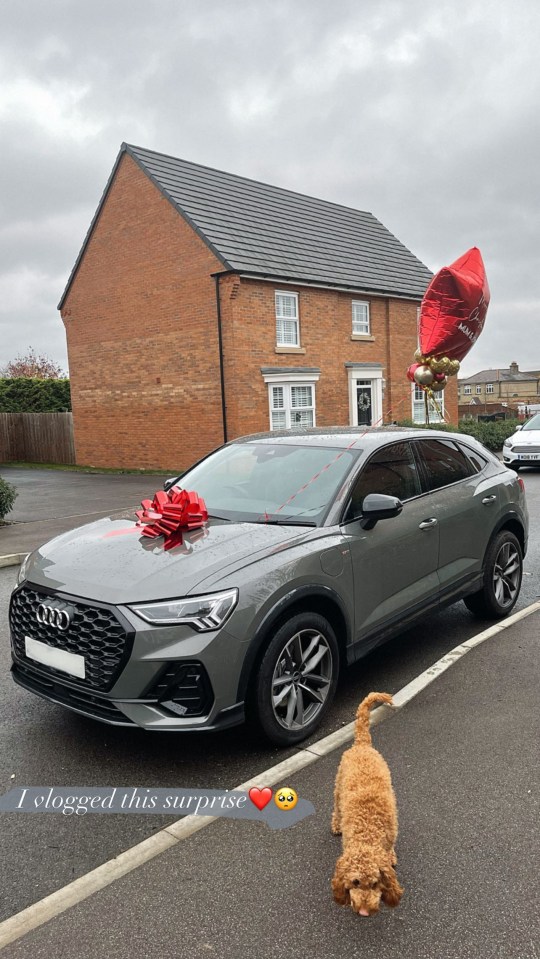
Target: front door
{"x": 364, "y": 402}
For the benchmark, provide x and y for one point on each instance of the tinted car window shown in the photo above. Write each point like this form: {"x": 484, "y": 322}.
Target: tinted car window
{"x": 477, "y": 462}
{"x": 444, "y": 463}
{"x": 392, "y": 470}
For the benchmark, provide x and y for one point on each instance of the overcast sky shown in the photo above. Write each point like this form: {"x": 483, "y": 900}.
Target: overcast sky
{"x": 424, "y": 112}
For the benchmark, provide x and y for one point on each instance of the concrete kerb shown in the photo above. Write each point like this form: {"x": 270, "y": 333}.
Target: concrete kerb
{"x": 12, "y": 559}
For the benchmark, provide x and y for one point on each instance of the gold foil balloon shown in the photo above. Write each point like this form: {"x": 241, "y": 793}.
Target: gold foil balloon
{"x": 423, "y": 376}
{"x": 437, "y": 386}
{"x": 440, "y": 365}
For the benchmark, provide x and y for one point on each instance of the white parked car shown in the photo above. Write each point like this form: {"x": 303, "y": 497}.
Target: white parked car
{"x": 523, "y": 447}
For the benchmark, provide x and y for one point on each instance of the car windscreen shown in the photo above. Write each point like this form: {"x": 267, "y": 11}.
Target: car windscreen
{"x": 533, "y": 424}
{"x": 265, "y": 482}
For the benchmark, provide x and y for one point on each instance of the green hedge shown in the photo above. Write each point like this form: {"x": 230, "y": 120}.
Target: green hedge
{"x": 491, "y": 435}
{"x": 8, "y": 495}
{"x": 22, "y": 395}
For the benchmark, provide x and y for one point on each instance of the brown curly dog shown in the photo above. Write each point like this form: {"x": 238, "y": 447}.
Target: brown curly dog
{"x": 365, "y": 814}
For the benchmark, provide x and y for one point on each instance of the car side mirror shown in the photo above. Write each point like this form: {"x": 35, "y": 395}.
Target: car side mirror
{"x": 378, "y": 506}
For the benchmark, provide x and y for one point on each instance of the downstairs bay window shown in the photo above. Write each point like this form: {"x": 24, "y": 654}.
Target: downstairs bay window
{"x": 291, "y": 398}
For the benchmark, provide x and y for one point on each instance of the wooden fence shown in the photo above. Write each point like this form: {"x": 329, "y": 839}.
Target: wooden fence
{"x": 37, "y": 438}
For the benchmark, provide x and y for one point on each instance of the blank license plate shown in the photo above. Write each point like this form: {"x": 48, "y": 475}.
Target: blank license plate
{"x": 66, "y": 662}
{"x": 529, "y": 456}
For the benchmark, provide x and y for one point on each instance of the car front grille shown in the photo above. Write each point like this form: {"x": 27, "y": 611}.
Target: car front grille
{"x": 82, "y": 702}
{"x": 526, "y": 449}
{"x": 95, "y": 631}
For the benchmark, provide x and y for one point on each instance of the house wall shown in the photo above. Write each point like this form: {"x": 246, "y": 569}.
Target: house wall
{"x": 506, "y": 391}
{"x": 140, "y": 320}
{"x": 326, "y": 342}
{"x": 141, "y": 326}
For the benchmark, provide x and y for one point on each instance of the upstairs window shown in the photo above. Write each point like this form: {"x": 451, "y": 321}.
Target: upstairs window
{"x": 478, "y": 389}
{"x": 287, "y": 327}
{"x": 360, "y": 318}
{"x": 489, "y": 387}
{"x": 467, "y": 390}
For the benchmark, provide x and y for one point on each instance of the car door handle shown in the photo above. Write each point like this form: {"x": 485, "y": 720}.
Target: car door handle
{"x": 428, "y": 523}
{"x": 489, "y": 499}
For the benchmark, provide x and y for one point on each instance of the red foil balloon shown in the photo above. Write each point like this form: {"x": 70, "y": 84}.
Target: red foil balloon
{"x": 411, "y": 371}
{"x": 454, "y": 308}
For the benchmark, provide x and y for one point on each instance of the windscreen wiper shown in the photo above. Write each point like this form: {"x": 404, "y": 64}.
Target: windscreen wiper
{"x": 284, "y": 522}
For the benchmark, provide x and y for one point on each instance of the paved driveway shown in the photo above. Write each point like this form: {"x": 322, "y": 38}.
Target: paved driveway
{"x": 50, "y": 502}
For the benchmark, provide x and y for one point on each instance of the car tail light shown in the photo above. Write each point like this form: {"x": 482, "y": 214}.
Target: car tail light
{"x": 521, "y": 483}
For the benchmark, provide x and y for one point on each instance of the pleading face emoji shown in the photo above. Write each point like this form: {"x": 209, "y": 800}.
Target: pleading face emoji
{"x": 285, "y": 798}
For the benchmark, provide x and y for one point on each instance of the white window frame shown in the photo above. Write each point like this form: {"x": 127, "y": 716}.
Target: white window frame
{"x": 361, "y": 327}
{"x": 478, "y": 390}
{"x": 489, "y": 388}
{"x": 280, "y": 319}
{"x": 287, "y": 381}
{"x": 419, "y": 406}
{"x": 467, "y": 390}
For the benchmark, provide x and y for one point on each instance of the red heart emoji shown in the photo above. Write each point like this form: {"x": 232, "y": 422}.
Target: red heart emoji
{"x": 260, "y": 797}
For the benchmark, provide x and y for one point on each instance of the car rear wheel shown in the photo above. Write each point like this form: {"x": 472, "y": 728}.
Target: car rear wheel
{"x": 503, "y": 571}
{"x": 296, "y": 679}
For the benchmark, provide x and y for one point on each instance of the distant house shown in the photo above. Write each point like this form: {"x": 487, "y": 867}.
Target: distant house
{"x": 498, "y": 391}
{"x": 204, "y": 306}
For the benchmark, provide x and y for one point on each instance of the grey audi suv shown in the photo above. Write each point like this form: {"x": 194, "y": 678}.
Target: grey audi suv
{"x": 320, "y": 544}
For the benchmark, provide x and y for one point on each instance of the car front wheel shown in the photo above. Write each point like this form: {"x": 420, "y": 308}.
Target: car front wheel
{"x": 296, "y": 679}
{"x": 503, "y": 571}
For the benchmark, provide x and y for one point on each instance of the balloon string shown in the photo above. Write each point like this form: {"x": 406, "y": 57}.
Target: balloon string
{"x": 431, "y": 395}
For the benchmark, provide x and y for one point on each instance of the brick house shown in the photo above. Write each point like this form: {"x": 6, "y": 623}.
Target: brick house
{"x": 508, "y": 390}
{"x": 204, "y": 306}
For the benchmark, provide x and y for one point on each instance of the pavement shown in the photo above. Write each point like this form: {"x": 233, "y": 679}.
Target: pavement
{"x": 464, "y": 759}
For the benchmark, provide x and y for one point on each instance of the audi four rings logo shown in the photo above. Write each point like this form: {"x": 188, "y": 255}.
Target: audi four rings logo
{"x": 51, "y": 616}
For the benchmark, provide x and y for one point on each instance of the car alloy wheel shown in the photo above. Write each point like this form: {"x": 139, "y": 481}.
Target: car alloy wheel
{"x": 296, "y": 679}
{"x": 302, "y": 678}
{"x": 507, "y": 575}
{"x": 503, "y": 571}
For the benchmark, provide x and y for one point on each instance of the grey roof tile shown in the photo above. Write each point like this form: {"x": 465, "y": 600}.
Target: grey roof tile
{"x": 498, "y": 376}
{"x": 266, "y": 230}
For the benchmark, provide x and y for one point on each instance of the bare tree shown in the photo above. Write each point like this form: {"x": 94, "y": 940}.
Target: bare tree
{"x": 33, "y": 366}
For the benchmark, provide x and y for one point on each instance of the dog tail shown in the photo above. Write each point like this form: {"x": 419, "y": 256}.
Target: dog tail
{"x": 362, "y": 734}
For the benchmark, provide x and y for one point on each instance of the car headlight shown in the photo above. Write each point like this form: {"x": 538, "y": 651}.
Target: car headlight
{"x": 202, "y": 612}
{"x": 21, "y": 575}
{"x": 508, "y": 443}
